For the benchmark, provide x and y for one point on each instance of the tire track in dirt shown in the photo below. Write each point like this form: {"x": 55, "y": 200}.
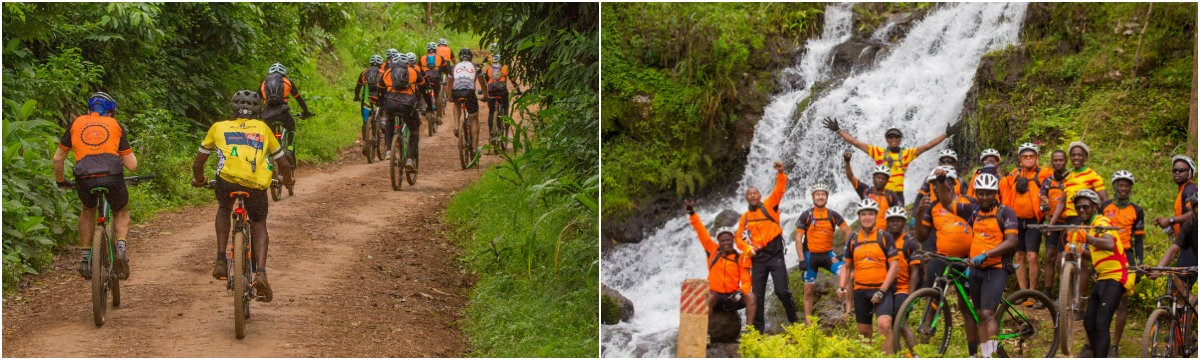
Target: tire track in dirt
{"x": 357, "y": 269}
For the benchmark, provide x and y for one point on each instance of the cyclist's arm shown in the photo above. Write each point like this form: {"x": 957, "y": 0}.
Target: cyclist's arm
{"x": 359, "y": 87}
{"x": 930, "y": 144}
{"x": 126, "y": 151}
{"x": 60, "y": 157}
{"x": 890, "y": 278}
{"x": 850, "y": 139}
{"x": 198, "y": 166}
{"x": 299, "y": 99}
{"x": 1103, "y": 242}
{"x": 130, "y": 161}
{"x": 1170, "y": 254}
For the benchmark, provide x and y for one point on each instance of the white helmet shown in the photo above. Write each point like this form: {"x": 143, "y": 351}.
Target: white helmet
{"x": 1191, "y": 164}
{"x": 1122, "y": 174}
{"x": 277, "y": 68}
{"x": 950, "y": 172}
{"x": 1088, "y": 194}
{"x": 411, "y": 57}
{"x": 948, "y": 153}
{"x": 820, "y": 186}
{"x": 430, "y": 46}
{"x": 443, "y": 41}
{"x": 390, "y": 53}
{"x": 725, "y": 229}
{"x": 987, "y": 181}
{"x": 881, "y": 169}
{"x": 990, "y": 152}
{"x": 1027, "y": 146}
{"x": 867, "y": 204}
{"x": 896, "y": 211}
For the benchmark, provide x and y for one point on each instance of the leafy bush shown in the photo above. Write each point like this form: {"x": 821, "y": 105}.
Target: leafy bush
{"x": 805, "y": 341}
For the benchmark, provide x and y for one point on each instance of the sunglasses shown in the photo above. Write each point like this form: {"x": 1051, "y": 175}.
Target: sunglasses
{"x": 1180, "y": 171}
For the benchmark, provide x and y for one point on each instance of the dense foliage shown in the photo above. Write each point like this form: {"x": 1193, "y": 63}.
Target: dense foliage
{"x": 530, "y": 224}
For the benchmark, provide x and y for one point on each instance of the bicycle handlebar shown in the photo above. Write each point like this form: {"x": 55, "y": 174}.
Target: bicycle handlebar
{"x": 1048, "y": 227}
{"x": 1145, "y": 270}
{"x": 927, "y": 254}
{"x": 132, "y": 180}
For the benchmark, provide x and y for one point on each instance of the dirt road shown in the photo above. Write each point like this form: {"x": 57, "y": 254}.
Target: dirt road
{"x": 357, "y": 269}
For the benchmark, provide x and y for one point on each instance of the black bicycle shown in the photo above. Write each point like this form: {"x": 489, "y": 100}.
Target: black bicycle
{"x": 498, "y": 128}
{"x": 241, "y": 265}
{"x": 372, "y": 136}
{"x": 1171, "y": 327}
{"x": 287, "y": 140}
{"x": 104, "y": 252}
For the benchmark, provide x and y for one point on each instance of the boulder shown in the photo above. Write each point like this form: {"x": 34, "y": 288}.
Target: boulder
{"x": 724, "y": 326}
{"x": 614, "y": 307}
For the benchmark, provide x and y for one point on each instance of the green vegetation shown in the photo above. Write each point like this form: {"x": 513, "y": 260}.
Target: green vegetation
{"x": 815, "y": 341}
{"x": 529, "y": 225}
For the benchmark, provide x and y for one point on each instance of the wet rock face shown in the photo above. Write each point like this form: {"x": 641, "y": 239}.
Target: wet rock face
{"x": 617, "y": 307}
{"x": 854, "y": 55}
{"x": 724, "y": 326}
{"x": 723, "y": 350}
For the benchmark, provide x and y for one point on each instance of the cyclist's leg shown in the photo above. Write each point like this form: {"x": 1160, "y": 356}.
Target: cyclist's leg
{"x": 413, "y": 121}
{"x": 990, "y": 292}
{"x": 389, "y": 126}
{"x": 87, "y": 225}
{"x": 1102, "y": 303}
{"x": 810, "y": 279}
{"x": 222, "y": 224}
{"x": 779, "y": 277}
{"x": 492, "y": 106}
{"x": 257, "y": 205}
{"x": 863, "y": 310}
{"x": 973, "y": 293}
{"x": 758, "y": 285}
{"x": 883, "y": 319}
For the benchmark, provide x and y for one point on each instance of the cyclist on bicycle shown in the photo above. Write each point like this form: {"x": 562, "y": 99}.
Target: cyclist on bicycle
{"x": 400, "y": 101}
{"x": 497, "y": 85}
{"x": 275, "y": 91}
{"x": 1183, "y": 250}
{"x": 1112, "y": 276}
{"x": 102, "y": 152}
{"x": 464, "y": 82}
{"x": 994, "y": 228}
{"x": 728, "y": 269}
{"x": 431, "y": 64}
{"x": 243, "y": 146}
{"x": 814, "y": 242}
{"x": 1130, "y": 219}
{"x": 871, "y": 263}
{"x": 365, "y": 92}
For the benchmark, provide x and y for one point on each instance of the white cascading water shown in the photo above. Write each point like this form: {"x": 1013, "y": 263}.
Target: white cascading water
{"x": 918, "y": 86}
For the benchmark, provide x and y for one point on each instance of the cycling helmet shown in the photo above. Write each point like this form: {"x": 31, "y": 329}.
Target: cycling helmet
{"x": 820, "y": 186}
{"x": 990, "y": 152}
{"x": 1081, "y": 145}
{"x": 102, "y": 103}
{"x": 430, "y": 46}
{"x": 1027, "y": 146}
{"x": 948, "y": 153}
{"x": 443, "y": 41}
{"x": 465, "y": 54}
{"x": 246, "y": 104}
{"x": 391, "y": 53}
{"x": 866, "y": 204}
{"x": 412, "y": 58}
{"x": 987, "y": 181}
{"x": 881, "y": 169}
{"x": 725, "y": 229}
{"x": 1191, "y": 164}
{"x": 394, "y": 57}
{"x": 896, "y": 211}
{"x": 1122, "y": 174}
{"x": 492, "y": 47}
{"x": 496, "y": 58}
{"x": 376, "y": 60}
{"x": 950, "y": 172}
{"x": 277, "y": 68}
{"x": 1088, "y": 194}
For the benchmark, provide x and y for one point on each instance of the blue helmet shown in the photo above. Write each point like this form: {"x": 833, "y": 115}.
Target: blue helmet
{"x": 102, "y": 103}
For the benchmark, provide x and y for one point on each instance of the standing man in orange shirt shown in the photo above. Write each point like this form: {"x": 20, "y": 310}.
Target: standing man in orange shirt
{"x": 728, "y": 269}
{"x": 814, "y": 242}
{"x": 1020, "y": 192}
{"x": 761, "y": 236}
{"x": 896, "y": 158}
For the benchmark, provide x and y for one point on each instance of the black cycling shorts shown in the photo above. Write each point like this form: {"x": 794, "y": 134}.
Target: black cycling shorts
{"x": 987, "y": 287}
{"x": 280, "y": 114}
{"x": 118, "y": 195}
{"x": 895, "y": 301}
{"x": 256, "y": 203}
{"x": 864, "y": 310}
{"x": 468, "y": 94}
{"x": 1028, "y": 239}
{"x": 733, "y": 301}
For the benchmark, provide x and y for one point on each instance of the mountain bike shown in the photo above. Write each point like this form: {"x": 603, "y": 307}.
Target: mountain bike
{"x": 433, "y": 118}
{"x": 372, "y": 136}
{"x": 1069, "y": 279}
{"x": 104, "y": 252}
{"x": 241, "y": 264}
{"x": 468, "y": 135}
{"x": 288, "y": 142}
{"x": 497, "y": 127}
{"x": 398, "y": 171}
{"x": 923, "y": 322}
{"x": 1171, "y": 327}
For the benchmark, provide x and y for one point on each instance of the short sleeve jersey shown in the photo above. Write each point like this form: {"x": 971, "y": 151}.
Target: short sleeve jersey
{"x": 817, "y": 225}
{"x": 1188, "y": 189}
{"x": 868, "y": 254}
{"x": 1080, "y": 180}
{"x": 897, "y": 163}
{"x": 242, "y": 147}
{"x": 989, "y": 229}
{"x": 496, "y": 73}
{"x": 93, "y": 134}
{"x": 464, "y": 76}
{"x": 289, "y": 88}
{"x": 904, "y": 258}
{"x": 885, "y": 200}
{"x": 1053, "y": 192}
{"x": 1129, "y": 218}
{"x": 953, "y": 233}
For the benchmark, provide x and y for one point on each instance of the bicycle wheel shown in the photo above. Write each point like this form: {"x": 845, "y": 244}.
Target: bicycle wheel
{"x": 114, "y": 283}
{"x": 474, "y": 144}
{"x": 430, "y": 124}
{"x": 1188, "y": 347}
{"x": 1156, "y": 341}
{"x": 918, "y": 323}
{"x": 1025, "y": 332}
{"x": 464, "y": 150}
{"x": 99, "y": 267}
{"x": 396, "y": 164}
{"x": 504, "y": 129}
{"x": 1068, "y": 293}
{"x": 377, "y": 139}
{"x": 240, "y": 281}
{"x": 410, "y": 175}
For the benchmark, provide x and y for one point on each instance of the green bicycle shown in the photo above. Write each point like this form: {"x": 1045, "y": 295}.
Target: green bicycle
{"x": 399, "y": 172}
{"x": 923, "y": 323}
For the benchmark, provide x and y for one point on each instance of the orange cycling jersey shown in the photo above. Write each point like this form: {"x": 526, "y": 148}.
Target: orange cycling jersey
{"x": 1108, "y": 264}
{"x": 1053, "y": 194}
{"x": 868, "y": 256}
{"x": 413, "y": 81}
{"x": 431, "y": 62}
{"x": 953, "y": 234}
{"x": 989, "y": 229}
{"x": 728, "y": 273}
{"x": 288, "y": 89}
{"x": 1130, "y": 219}
{"x": 817, "y": 226}
{"x": 1026, "y": 205}
{"x": 1079, "y": 180}
{"x": 896, "y": 162}
{"x": 496, "y": 79}
{"x": 761, "y": 225}
{"x": 98, "y": 142}
{"x": 885, "y": 200}
{"x": 1186, "y": 190}
{"x": 903, "y": 254}
{"x": 445, "y": 52}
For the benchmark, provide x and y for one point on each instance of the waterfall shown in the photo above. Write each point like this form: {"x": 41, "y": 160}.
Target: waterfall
{"x": 918, "y": 85}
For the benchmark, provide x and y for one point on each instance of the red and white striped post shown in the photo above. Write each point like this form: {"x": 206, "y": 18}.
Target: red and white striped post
{"x": 693, "y": 319}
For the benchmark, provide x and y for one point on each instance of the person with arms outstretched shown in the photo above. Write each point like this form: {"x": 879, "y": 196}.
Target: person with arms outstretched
{"x": 896, "y": 158}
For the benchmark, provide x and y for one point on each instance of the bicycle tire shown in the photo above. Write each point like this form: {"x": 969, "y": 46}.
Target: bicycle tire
{"x": 114, "y": 283}
{"x": 923, "y": 304}
{"x": 377, "y": 139}
{"x": 1189, "y": 338}
{"x": 409, "y": 175}
{"x": 1028, "y": 322}
{"x": 240, "y": 281}
{"x": 367, "y": 135}
{"x": 276, "y": 191}
{"x": 474, "y": 144}
{"x": 99, "y": 267}
{"x": 1151, "y": 347}
{"x": 464, "y": 152}
{"x": 395, "y": 164}
{"x": 1068, "y": 289}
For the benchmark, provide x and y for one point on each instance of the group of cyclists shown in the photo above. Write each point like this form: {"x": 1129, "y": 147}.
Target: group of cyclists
{"x": 987, "y": 217}
{"x": 398, "y": 86}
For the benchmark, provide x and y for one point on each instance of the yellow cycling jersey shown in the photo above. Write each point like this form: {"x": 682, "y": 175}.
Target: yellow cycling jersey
{"x": 242, "y": 147}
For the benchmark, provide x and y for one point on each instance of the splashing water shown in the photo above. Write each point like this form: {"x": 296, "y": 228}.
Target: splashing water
{"x": 918, "y": 87}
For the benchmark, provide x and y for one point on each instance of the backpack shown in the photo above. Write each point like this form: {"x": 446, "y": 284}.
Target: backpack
{"x": 496, "y": 72}
{"x": 399, "y": 76}
{"x": 371, "y": 77}
{"x": 273, "y": 89}
{"x": 430, "y": 61}
{"x": 812, "y": 221}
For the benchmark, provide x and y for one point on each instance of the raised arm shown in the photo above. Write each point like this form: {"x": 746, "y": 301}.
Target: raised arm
{"x": 832, "y": 124}
{"x": 849, "y": 172}
{"x": 951, "y": 129}
{"x": 780, "y": 187}
{"x": 701, "y": 232}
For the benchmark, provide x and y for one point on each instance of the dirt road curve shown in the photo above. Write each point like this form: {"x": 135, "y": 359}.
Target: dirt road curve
{"x": 357, "y": 269}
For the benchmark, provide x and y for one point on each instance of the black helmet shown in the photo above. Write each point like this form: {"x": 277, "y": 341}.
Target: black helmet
{"x": 465, "y": 54}
{"x": 246, "y": 104}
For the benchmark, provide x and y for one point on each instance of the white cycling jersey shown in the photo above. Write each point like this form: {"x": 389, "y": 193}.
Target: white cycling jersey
{"x": 464, "y": 76}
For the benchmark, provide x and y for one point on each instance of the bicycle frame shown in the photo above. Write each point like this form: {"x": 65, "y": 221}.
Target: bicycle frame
{"x": 950, "y": 275}
{"x": 1179, "y": 306}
